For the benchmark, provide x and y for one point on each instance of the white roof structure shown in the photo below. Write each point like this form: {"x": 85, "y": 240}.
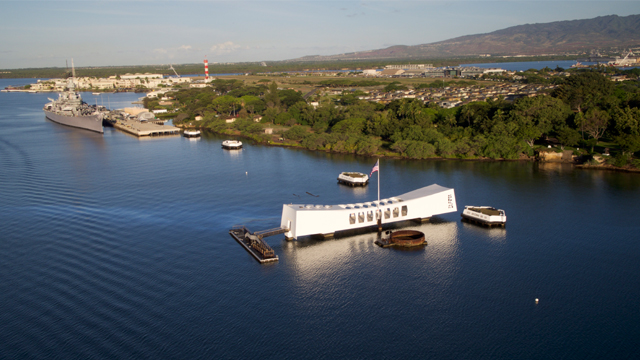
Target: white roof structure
{"x": 310, "y": 219}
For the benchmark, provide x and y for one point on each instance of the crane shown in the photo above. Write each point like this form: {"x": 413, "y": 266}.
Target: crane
{"x": 174, "y": 70}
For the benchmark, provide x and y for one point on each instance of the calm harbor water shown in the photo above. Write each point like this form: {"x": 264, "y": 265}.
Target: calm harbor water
{"x": 526, "y": 65}
{"x": 118, "y": 247}
{"x": 538, "y": 65}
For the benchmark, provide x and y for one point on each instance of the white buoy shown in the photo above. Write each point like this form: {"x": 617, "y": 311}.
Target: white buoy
{"x": 537, "y": 300}
{"x": 246, "y": 173}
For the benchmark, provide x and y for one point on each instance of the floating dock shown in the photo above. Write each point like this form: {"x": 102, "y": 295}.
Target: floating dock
{"x": 138, "y": 128}
{"x": 254, "y": 243}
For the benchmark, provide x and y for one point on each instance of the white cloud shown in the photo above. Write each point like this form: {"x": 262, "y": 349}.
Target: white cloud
{"x": 225, "y": 48}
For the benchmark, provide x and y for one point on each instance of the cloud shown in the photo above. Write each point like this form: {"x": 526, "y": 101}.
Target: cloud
{"x": 225, "y": 48}
{"x": 185, "y": 47}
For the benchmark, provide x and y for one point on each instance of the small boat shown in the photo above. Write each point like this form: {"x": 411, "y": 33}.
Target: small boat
{"x": 191, "y": 133}
{"x": 95, "y": 93}
{"x": 232, "y": 144}
{"x": 353, "y": 178}
{"x": 484, "y": 215}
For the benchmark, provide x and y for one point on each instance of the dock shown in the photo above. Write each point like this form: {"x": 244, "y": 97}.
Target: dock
{"x": 483, "y": 223}
{"x": 138, "y": 128}
{"x": 254, "y": 243}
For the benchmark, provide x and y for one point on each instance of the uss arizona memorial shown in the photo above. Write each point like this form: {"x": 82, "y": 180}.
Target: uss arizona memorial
{"x": 326, "y": 220}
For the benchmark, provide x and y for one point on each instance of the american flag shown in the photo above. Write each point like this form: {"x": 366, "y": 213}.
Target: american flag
{"x": 376, "y": 167}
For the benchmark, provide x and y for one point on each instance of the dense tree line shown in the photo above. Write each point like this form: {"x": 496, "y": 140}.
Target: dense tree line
{"x": 583, "y": 110}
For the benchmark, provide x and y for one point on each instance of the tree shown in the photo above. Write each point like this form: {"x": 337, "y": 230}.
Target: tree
{"x": 595, "y": 123}
{"x": 626, "y": 121}
{"x": 628, "y": 143}
{"x": 296, "y": 133}
{"x": 224, "y": 86}
{"x": 584, "y": 90}
{"x": 289, "y": 97}
{"x": 271, "y": 98}
{"x": 568, "y": 137}
{"x": 538, "y": 115}
{"x": 226, "y": 104}
{"x": 253, "y": 104}
{"x": 349, "y": 126}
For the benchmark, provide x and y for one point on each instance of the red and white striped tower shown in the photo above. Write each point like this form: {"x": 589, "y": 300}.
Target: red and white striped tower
{"x": 206, "y": 69}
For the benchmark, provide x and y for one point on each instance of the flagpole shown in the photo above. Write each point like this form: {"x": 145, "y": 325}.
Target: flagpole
{"x": 378, "y": 183}
{"x": 379, "y": 210}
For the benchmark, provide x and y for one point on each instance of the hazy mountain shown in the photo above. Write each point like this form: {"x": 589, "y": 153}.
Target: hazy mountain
{"x": 530, "y": 39}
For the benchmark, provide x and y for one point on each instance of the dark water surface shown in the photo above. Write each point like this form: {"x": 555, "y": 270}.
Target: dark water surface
{"x": 117, "y": 247}
{"x": 538, "y": 65}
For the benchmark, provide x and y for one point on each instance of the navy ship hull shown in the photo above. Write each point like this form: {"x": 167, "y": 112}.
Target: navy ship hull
{"x": 91, "y": 122}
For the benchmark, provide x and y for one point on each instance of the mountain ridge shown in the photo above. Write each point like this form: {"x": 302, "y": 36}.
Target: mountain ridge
{"x": 558, "y": 37}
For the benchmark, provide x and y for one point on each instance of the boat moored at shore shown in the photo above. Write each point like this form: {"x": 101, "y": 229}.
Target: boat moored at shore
{"x": 70, "y": 110}
{"x": 484, "y": 215}
{"x": 353, "y": 178}
{"x": 232, "y": 144}
{"x": 191, "y": 133}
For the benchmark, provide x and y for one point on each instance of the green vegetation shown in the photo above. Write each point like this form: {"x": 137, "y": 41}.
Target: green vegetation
{"x": 586, "y": 110}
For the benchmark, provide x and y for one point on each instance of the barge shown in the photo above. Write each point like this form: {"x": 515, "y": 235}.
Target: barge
{"x": 484, "y": 215}
{"x": 254, "y": 244}
{"x": 353, "y": 178}
{"x": 303, "y": 220}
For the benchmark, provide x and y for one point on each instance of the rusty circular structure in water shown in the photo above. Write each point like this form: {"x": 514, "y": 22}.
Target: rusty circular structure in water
{"x": 407, "y": 238}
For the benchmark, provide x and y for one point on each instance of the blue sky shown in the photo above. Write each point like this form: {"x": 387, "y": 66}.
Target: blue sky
{"x": 103, "y": 33}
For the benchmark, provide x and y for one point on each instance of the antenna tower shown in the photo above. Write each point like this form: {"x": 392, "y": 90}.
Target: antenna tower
{"x": 206, "y": 69}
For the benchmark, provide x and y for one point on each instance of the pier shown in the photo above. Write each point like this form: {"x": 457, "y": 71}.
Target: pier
{"x": 138, "y": 128}
{"x": 254, "y": 243}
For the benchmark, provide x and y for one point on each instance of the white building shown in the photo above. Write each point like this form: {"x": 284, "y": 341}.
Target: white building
{"x": 326, "y": 220}
{"x": 141, "y": 76}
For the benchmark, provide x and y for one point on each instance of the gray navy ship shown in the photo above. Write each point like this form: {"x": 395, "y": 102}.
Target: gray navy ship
{"x": 70, "y": 110}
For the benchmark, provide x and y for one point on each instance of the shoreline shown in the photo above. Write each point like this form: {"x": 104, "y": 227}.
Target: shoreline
{"x": 528, "y": 159}
{"x": 388, "y": 156}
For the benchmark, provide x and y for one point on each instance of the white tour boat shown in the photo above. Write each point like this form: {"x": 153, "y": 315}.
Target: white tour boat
{"x": 232, "y": 144}
{"x": 191, "y": 133}
{"x": 326, "y": 220}
{"x": 484, "y": 215}
{"x": 353, "y": 178}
